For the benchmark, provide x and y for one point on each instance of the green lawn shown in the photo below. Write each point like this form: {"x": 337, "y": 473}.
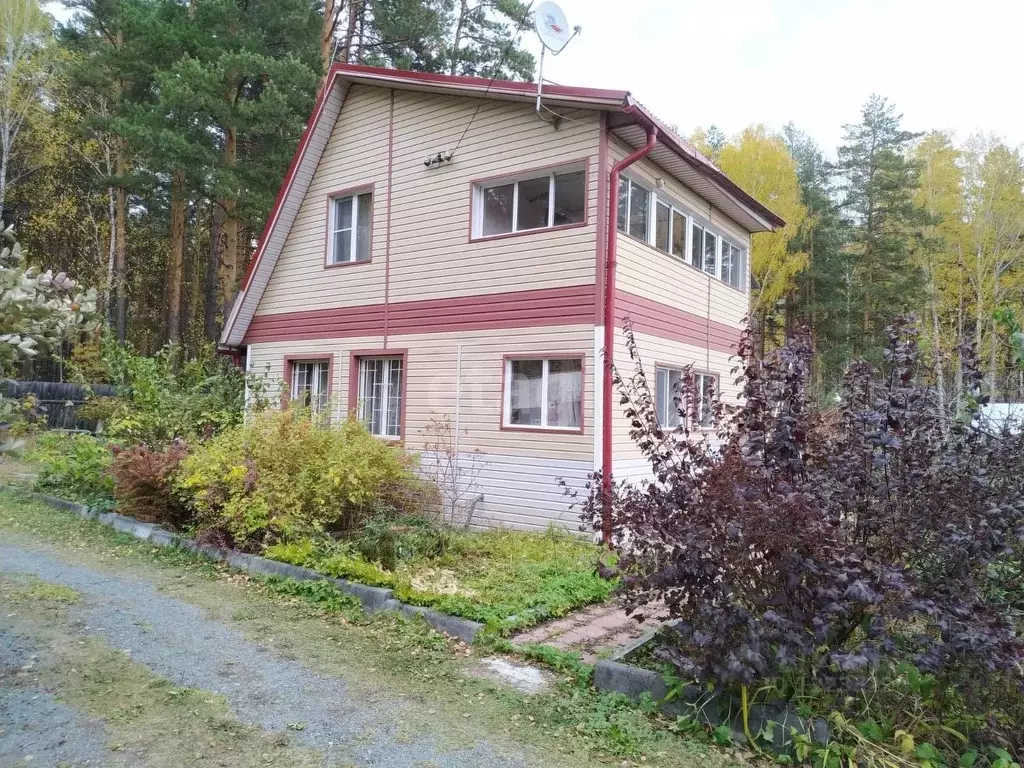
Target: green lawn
{"x": 505, "y": 579}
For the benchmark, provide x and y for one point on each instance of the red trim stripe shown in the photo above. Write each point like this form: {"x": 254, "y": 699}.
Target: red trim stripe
{"x": 573, "y": 305}
{"x": 653, "y": 317}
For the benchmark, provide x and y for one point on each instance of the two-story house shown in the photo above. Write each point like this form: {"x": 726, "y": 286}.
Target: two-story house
{"x": 441, "y": 248}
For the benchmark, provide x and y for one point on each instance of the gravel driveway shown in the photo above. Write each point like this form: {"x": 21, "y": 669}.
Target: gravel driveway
{"x": 178, "y": 642}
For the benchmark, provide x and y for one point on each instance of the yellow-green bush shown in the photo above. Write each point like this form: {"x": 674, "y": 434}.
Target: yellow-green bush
{"x": 283, "y": 475}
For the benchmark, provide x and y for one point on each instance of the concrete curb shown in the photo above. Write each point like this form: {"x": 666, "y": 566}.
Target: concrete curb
{"x": 373, "y": 598}
{"x": 711, "y": 709}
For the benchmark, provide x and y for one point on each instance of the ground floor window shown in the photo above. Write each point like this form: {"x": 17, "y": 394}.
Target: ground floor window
{"x": 310, "y": 383}
{"x": 544, "y": 393}
{"x": 707, "y": 391}
{"x": 668, "y": 397}
{"x": 380, "y": 395}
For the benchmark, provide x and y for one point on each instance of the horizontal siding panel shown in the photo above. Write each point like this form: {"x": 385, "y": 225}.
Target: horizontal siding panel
{"x": 431, "y": 255}
{"x": 433, "y": 388}
{"x": 558, "y": 306}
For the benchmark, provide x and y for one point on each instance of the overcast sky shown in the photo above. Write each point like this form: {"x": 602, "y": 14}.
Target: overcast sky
{"x": 957, "y": 66}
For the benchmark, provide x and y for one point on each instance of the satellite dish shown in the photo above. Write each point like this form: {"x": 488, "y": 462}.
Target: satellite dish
{"x": 552, "y": 26}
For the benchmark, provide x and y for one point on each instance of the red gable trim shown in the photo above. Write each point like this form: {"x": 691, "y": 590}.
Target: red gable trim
{"x": 289, "y": 176}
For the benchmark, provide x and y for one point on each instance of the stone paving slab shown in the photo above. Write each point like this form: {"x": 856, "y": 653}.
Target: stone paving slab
{"x": 594, "y": 632}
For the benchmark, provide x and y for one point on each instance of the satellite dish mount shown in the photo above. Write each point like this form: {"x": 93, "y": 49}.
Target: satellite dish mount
{"x": 553, "y": 30}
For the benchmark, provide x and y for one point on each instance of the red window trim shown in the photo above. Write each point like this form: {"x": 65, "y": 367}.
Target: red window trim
{"x": 581, "y": 356}
{"x": 306, "y": 357}
{"x": 353, "y": 384}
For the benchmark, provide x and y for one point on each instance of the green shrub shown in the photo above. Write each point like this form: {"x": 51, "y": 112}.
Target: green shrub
{"x": 74, "y": 466}
{"x": 165, "y": 396}
{"x": 283, "y": 476}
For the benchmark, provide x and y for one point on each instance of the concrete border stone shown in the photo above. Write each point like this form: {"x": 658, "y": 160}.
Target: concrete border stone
{"x": 372, "y": 598}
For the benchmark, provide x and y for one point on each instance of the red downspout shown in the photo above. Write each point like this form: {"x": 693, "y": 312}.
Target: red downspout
{"x": 609, "y": 325}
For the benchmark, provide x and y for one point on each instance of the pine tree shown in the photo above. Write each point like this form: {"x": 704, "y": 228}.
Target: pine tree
{"x": 821, "y": 298}
{"x": 878, "y": 181}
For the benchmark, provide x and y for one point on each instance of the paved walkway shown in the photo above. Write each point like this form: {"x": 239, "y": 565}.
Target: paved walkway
{"x": 595, "y": 632}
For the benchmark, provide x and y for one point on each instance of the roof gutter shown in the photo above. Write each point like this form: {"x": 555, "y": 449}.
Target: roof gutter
{"x": 609, "y": 322}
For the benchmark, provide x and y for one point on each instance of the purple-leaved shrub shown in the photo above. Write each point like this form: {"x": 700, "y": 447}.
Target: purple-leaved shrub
{"x": 824, "y": 546}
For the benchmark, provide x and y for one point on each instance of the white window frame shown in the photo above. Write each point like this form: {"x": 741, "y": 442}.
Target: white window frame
{"x": 507, "y": 394}
{"x": 362, "y": 402}
{"x": 320, "y": 367}
{"x": 698, "y": 383}
{"x": 515, "y": 180}
{"x": 333, "y": 228}
{"x": 673, "y": 210}
{"x": 652, "y": 208}
{"x": 698, "y": 378}
{"x": 690, "y": 220}
{"x": 670, "y": 407}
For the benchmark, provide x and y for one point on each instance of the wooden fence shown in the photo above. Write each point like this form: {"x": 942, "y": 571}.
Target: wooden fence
{"x": 59, "y": 402}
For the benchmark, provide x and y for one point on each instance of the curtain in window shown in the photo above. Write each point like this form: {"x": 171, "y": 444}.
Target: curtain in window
{"x": 565, "y": 391}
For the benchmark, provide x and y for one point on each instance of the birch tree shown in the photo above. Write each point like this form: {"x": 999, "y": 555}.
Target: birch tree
{"x": 25, "y": 68}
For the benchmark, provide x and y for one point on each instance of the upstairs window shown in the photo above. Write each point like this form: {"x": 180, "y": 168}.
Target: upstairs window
{"x": 351, "y": 217}
{"x": 710, "y": 253}
{"x": 380, "y": 395}
{"x": 734, "y": 265}
{"x": 552, "y": 199}
{"x": 310, "y": 384}
{"x": 544, "y": 393}
{"x": 634, "y": 209}
{"x": 669, "y": 230}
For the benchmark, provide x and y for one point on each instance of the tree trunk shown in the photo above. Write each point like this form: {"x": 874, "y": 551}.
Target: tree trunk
{"x": 993, "y": 352}
{"x": 327, "y": 37}
{"x": 354, "y": 8}
{"x": 108, "y": 291}
{"x": 120, "y": 283}
{"x": 229, "y": 259}
{"x": 175, "y": 263}
{"x": 120, "y": 289}
{"x": 210, "y": 329}
{"x": 457, "y": 39}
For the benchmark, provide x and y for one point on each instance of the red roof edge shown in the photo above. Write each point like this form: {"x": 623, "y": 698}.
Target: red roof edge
{"x": 702, "y": 164}
{"x": 478, "y": 83}
{"x": 289, "y": 175}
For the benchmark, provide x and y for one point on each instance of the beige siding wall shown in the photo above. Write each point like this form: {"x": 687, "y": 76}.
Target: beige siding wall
{"x": 517, "y": 472}
{"x": 656, "y": 351}
{"x": 646, "y": 271}
{"x": 433, "y": 387}
{"x": 431, "y": 256}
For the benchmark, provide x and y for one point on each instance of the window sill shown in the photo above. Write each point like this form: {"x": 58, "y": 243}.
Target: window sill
{"x": 526, "y": 232}
{"x": 542, "y": 430}
{"x": 682, "y": 261}
{"x": 335, "y": 264}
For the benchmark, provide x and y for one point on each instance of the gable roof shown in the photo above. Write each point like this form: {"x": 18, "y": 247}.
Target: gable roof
{"x": 628, "y": 120}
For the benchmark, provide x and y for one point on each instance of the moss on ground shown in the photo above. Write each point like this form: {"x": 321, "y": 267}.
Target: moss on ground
{"x": 378, "y": 656}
